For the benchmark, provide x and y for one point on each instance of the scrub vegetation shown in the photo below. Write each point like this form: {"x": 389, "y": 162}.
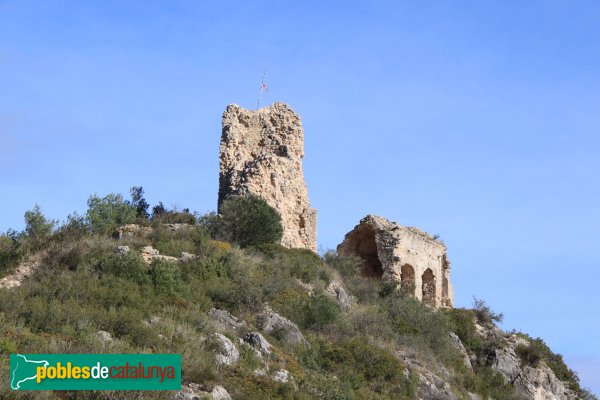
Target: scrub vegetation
{"x": 83, "y": 286}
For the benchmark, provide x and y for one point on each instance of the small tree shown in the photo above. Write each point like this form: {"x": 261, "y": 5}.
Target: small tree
{"x": 37, "y": 228}
{"x": 139, "y": 202}
{"x": 106, "y": 214}
{"x": 11, "y": 251}
{"x": 484, "y": 313}
{"x": 248, "y": 221}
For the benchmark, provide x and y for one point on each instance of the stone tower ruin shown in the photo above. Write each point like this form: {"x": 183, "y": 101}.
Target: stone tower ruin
{"x": 413, "y": 259}
{"x": 261, "y": 153}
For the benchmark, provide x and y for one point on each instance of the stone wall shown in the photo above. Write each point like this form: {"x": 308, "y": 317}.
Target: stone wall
{"x": 261, "y": 153}
{"x": 406, "y": 255}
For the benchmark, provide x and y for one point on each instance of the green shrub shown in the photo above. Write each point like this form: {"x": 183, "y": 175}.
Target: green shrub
{"x": 105, "y": 214}
{"x": 529, "y": 355}
{"x": 411, "y": 317}
{"x": 73, "y": 229}
{"x": 485, "y": 315}
{"x": 320, "y": 311}
{"x": 301, "y": 263}
{"x": 192, "y": 239}
{"x": 248, "y": 221}
{"x": 538, "y": 351}
{"x": 139, "y": 202}
{"x": 37, "y": 228}
{"x": 130, "y": 266}
{"x": 11, "y": 252}
{"x": 160, "y": 214}
{"x": 166, "y": 278}
{"x": 491, "y": 384}
{"x": 463, "y": 324}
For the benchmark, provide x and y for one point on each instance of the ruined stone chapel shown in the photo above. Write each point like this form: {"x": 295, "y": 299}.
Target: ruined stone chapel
{"x": 261, "y": 154}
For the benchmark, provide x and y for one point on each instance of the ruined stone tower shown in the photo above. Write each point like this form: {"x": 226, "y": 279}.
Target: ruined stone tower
{"x": 261, "y": 153}
{"x": 406, "y": 255}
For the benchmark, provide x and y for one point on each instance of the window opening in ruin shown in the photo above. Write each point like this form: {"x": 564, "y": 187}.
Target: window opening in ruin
{"x": 428, "y": 287}
{"x": 366, "y": 248}
{"x": 407, "y": 278}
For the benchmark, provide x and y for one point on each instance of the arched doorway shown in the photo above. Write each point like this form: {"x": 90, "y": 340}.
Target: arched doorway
{"x": 366, "y": 248}
{"x": 407, "y": 278}
{"x": 428, "y": 287}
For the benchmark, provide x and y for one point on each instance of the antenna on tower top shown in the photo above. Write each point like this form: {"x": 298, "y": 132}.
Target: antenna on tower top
{"x": 263, "y": 87}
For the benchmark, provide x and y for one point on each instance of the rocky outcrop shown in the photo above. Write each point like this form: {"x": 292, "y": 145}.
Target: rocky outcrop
{"x": 225, "y": 351}
{"x": 413, "y": 259}
{"x": 132, "y": 230}
{"x": 456, "y": 342}
{"x": 258, "y": 342}
{"x": 261, "y": 153}
{"x": 194, "y": 391}
{"x": 223, "y": 320}
{"x": 23, "y": 271}
{"x": 536, "y": 383}
{"x": 337, "y": 291}
{"x": 271, "y": 322}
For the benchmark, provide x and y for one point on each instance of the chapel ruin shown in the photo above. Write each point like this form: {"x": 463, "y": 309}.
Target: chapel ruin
{"x": 413, "y": 259}
{"x": 261, "y": 154}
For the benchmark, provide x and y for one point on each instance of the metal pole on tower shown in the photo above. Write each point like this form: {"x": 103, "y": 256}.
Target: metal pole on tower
{"x": 263, "y": 86}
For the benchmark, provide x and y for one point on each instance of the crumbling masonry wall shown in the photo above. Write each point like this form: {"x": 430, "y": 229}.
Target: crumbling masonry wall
{"x": 261, "y": 153}
{"x": 406, "y": 255}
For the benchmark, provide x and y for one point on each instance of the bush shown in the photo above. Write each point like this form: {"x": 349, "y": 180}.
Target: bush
{"x": 130, "y": 266}
{"x": 37, "y": 228}
{"x": 485, "y": 315}
{"x": 106, "y": 214}
{"x": 192, "y": 239}
{"x": 139, "y": 202}
{"x": 11, "y": 252}
{"x": 538, "y": 351}
{"x": 166, "y": 278}
{"x": 73, "y": 229}
{"x": 248, "y": 221}
{"x": 529, "y": 355}
{"x": 301, "y": 263}
{"x": 463, "y": 324}
{"x": 160, "y": 214}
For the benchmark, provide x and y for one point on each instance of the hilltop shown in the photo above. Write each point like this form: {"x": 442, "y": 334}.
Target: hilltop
{"x": 258, "y": 321}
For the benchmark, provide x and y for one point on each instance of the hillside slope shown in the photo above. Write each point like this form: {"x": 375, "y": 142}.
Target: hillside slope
{"x": 264, "y": 322}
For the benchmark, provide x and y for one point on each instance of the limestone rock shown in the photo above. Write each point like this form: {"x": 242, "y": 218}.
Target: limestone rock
{"x": 219, "y": 393}
{"x": 150, "y": 254}
{"x": 337, "y": 291}
{"x": 122, "y": 249}
{"x": 283, "y": 376}
{"x": 414, "y": 260}
{"x": 194, "y": 391}
{"x": 225, "y": 351}
{"x": 309, "y": 287}
{"x": 456, "y": 342}
{"x": 432, "y": 386}
{"x": 539, "y": 383}
{"x": 223, "y": 320}
{"x": 187, "y": 257}
{"x": 131, "y": 231}
{"x": 270, "y": 322}
{"x": 261, "y": 153}
{"x": 258, "y": 342}
{"x": 23, "y": 271}
{"x": 104, "y": 336}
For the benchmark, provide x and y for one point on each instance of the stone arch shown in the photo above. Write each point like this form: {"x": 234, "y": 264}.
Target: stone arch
{"x": 407, "y": 279}
{"x": 428, "y": 287}
{"x": 366, "y": 248}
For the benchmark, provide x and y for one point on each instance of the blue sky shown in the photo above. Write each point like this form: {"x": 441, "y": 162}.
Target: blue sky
{"x": 474, "y": 120}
